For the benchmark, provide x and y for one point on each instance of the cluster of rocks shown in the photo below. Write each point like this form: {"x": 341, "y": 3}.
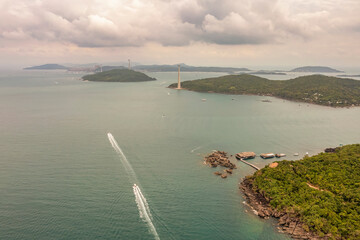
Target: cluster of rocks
{"x": 220, "y": 158}
{"x": 288, "y": 222}
{"x": 224, "y": 175}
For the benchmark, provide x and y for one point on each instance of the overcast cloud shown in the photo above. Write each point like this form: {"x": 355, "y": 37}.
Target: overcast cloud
{"x": 136, "y": 23}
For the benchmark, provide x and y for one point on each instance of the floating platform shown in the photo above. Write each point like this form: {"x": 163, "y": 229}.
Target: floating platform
{"x": 267, "y": 155}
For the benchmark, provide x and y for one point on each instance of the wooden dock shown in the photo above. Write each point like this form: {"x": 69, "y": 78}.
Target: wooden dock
{"x": 251, "y": 165}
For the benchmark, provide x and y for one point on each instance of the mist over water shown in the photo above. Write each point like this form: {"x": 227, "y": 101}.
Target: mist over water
{"x": 61, "y": 179}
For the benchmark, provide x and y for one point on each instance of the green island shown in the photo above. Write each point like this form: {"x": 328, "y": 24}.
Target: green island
{"x": 318, "y": 195}
{"x": 118, "y": 75}
{"x": 316, "y": 89}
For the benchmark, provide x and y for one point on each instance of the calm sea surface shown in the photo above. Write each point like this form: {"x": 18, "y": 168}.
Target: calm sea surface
{"x": 60, "y": 177}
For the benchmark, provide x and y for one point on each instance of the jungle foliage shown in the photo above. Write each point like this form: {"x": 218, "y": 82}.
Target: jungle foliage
{"x": 323, "y": 190}
{"x": 317, "y": 89}
{"x": 118, "y": 75}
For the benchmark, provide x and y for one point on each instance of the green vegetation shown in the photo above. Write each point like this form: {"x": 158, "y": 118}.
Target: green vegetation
{"x": 324, "y": 190}
{"x": 119, "y": 75}
{"x": 317, "y": 89}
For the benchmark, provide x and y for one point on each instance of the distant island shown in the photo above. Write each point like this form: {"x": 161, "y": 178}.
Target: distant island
{"x": 317, "y": 197}
{"x": 186, "y": 68}
{"x": 316, "y": 89}
{"x": 47, "y": 67}
{"x": 118, "y": 75}
{"x": 315, "y": 69}
{"x": 266, "y": 72}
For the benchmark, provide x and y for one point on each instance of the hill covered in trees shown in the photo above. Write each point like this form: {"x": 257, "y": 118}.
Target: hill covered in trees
{"x": 118, "y": 75}
{"x": 319, "y": 194}
{"x": 317, "y": 89}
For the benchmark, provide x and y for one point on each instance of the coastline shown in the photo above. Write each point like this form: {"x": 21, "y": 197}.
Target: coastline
{"x": 287, "y": 223}
{"x": 290, "y": 100}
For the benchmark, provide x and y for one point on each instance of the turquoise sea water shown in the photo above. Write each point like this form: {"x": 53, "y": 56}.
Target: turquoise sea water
{"x": 60, "y": 177}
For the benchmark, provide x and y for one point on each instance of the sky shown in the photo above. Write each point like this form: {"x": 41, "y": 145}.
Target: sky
{"x": 237, "y": 33}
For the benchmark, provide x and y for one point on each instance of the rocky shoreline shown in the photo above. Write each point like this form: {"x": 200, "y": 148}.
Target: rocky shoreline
{"x": 288, "y": 222}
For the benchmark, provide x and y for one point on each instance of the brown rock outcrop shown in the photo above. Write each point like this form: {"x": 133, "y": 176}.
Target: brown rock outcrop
{"x": 288, "y": 222}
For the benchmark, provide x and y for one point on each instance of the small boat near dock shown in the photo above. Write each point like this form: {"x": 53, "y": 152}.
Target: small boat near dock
{"x": 267, "y": 155}
{"x": 279, "y": 155}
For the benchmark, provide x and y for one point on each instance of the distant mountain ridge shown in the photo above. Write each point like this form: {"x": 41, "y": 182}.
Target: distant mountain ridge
{"x": 315, "y": 69}
{"x": 187, "y": 68}
{"x": 47, "y": 67}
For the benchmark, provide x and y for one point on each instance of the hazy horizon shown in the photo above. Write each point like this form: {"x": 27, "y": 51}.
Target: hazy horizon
{"x": 264, "y": 33}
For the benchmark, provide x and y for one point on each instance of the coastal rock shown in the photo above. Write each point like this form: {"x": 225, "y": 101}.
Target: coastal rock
{"x": 331, "y": 150}
{"x": 224, "y": 175}
{"x": 219, "y": 158}
{"x": 289, "y": 223}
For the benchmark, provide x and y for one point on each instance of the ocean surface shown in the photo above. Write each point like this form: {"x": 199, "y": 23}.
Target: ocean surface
{"x": 70, "y": 152}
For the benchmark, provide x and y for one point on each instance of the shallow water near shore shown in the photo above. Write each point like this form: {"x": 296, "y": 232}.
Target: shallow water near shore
{"x": 60, "y": 177}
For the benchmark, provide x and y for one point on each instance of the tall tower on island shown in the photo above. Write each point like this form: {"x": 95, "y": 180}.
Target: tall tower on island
{"x": 179, "y": 83}
{"x": 129, "y": 64}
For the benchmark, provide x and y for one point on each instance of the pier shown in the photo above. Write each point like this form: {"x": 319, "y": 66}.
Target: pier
{"x": 251, "y": 165}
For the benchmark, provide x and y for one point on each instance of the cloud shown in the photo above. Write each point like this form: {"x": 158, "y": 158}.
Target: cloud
{"x": 108, "y": 23}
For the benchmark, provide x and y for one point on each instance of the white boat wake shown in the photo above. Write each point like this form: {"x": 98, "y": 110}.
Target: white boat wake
{"x": 143, "y": 206}
{"x": 197, "y": 148}
{"x": 144, "y": 210}
{"x": 123, "y": 158}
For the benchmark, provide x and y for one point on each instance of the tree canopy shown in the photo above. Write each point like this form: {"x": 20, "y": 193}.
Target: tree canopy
{"x": 317, "y": 89}
{"x": 324, "y": 190}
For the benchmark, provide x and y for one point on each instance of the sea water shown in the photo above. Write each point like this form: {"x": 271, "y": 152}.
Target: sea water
{"x": 62, "y": 178}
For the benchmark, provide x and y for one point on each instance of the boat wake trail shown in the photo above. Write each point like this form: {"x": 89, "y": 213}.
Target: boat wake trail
{"x": 197, "y": 148}
{"x": 143, "y": 206}
{"x": 144, "y": 210}
{"x": 123, "y": 158}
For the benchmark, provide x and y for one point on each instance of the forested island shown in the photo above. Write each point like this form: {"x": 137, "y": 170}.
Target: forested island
{"x": 118, "y": 75}
{"x": 317, "y": 89}
{"x": 317, "y": 196}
